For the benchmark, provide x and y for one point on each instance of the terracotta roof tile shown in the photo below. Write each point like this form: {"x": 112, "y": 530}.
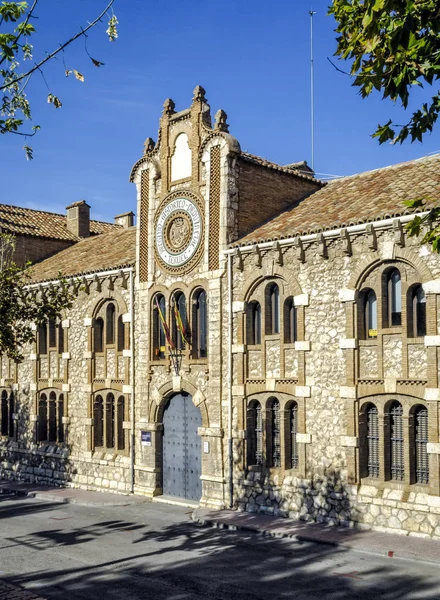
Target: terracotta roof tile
{"x": 39, "y": 223}
{"x": 107, "y": 251}
{"x": 359, "y": 198}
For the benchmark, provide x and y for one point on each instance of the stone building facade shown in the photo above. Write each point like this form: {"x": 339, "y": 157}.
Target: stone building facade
{"x": 260, "y": 339}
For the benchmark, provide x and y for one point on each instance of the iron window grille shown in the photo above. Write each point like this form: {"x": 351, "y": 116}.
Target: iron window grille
{"x": 421, "y": 446}
{"x": 7, "y": 414}
{"x": 50, "y": 418}
{"x": 275, "y": 434}
{"x": 294, "y": 456}
{"x": 397, "y": 443}
{"x": 373, "y": 442}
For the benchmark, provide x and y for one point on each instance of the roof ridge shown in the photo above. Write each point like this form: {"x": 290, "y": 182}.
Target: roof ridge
{"x": 49, "y": 212}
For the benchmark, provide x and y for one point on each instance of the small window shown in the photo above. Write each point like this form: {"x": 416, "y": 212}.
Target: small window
{"x": 98, "y": 422}
{"x": 60, "y": 415}
{"x": 254, "y": 434}
{"x": 42, "y": 339}
{"x": 110, "y": 318}
{"x": 200, "y": 326}
{"x": 98, "y": 335}
{"x": 159, "y": 327}
{"x": 274, "y": 310}
{"x": 421, "y": 445}
{"x": 254, "y": 323}
{"x": 110, "y": 421}
{"x": 52, "y": 417}
{"x": 42, "y": 418}
{"x": 293, "y": 430}
{"x": 60, "y": 338}
{"x": 120, "y": 422}
{"x": 373, "y": 441}
{"x": 179, "y": 320}
{"x": 370, "y": 314}
{"x": 274, "y": 434}
{"x": 52, "y": 333}
{"x": 7, "y": 414}
{"x": 418, "y": 313}
{"x": 121, "y": 334}
{"x": 290, "y": 321}
{"x": 394, "y": 298}
{"x": 397, "y": 442}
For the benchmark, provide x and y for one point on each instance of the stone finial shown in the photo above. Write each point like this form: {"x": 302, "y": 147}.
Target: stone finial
{"x": 168, "y": 107}
{"x": 199, "y": 94}
{"x": 220, "y": 121}
{"x": 148, "y": 145}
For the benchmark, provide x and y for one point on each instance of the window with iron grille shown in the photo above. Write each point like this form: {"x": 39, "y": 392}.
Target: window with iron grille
{"x": 254, "y": 434}
{"x": 275, "y": 437}
{"x": 421, "y": 445}
{"x": 396, "y": 442}
{"x": 394, "y": 298}
{"x": 108, "y": 421}
{"x": 373, "y": 441}
{"x": 274, "y": 310}
{"x": 294, "y": 456}
{"x": 253, "y": 323}
{"x": 50, "y": 418}
{"x": 7, "y": 412}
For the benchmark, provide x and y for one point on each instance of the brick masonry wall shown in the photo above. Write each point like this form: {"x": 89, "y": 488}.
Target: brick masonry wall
{"x": 36, "y": 249}
{"x": 264, "y": 193}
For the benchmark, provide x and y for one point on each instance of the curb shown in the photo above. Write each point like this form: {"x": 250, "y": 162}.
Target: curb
{"x": 385, "y": 553}
{"x": 39, "y": 495}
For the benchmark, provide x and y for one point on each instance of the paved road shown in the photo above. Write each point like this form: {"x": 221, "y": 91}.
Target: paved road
{"x": 71, "y": 552}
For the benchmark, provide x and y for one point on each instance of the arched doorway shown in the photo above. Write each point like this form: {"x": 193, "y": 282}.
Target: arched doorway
{"x": 181, "y": 448}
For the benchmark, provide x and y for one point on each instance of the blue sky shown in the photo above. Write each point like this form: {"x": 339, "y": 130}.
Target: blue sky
{"x": 251, "y": 57}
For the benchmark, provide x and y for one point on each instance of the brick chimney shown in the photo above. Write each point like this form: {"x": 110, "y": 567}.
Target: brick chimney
{"x": 126, "y": 220}
{"x": 78, "y": 218}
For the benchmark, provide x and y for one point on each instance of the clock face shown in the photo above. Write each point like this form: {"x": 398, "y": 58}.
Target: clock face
{"x": 178, "y": 232}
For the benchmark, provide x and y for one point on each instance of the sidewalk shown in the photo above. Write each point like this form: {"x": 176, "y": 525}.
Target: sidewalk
{"x": 69, "y": 495}
{"x": 371, "y": 542}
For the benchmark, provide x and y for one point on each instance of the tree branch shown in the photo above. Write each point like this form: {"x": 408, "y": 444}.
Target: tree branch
{"x": 20, "y": 33}
{"x": 55, "y": 52}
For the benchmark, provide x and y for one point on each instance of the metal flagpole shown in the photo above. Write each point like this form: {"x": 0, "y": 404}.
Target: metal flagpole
{"x": 312, "y": 88}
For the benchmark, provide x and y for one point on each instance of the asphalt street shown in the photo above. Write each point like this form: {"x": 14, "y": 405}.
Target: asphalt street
{"x": 72, "y": 552}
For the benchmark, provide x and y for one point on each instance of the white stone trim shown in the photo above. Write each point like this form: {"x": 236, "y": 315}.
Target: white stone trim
{"x": 238, "y": 349}
{"x": 304, "y": 438}
{"x": 238, "y": 306}
{"x": 304, "y": 346}
{"x": 349, "y": 441}
{"x": 32, "y": 356}
{"x": 88, "y": 322}
{"x": 301, "y": 300}
{"x": 390, "y": 385}
{"x": 66, "y": 387}
{"x": 238, "y": 390}
{"x": 348, "y": 343}
{"x": 126, "y": 353}
{"x": 302, "y": 391}
{"x": 432, "y": 340}
{"x": 388, "y": 251}
{"x": 65, "y": 420}
{"x": 33, "y": 387}
{"x": 126, "y": 424}
{"x": 33, "y": 327}
{"x": 347, "y": 295}
{"x": 270, "y": 384}
{"x": 14, "y": 387}
{"x": 346, "y": 391}
{"x": 433, "y": 448}
{"x": 432, "y": 394}
{"x": 87, "y": 354}
{"x": 65, "y": 323}
{"x": 87, "y": 387}
{"x": 89, "y": 422}
{"x": 177, "y": 383}
{"x": 431, "y": 287}
{"x": 34, "y": 418}
{"x": 127, "y": 389}
{"x": 65, "y": 355}
{"x": 126, "y": 318}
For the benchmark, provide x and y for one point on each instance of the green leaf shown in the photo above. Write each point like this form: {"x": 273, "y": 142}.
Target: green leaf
{"x": 29, "y": 152}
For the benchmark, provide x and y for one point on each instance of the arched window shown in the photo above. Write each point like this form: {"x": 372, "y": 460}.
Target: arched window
{"x": 200, "y": 325}
{"x": 60, "y": 338}
{"x": 421, "y": 445}
{"x": 394, "y": 298}
{"x": 397, "y": 442}
{"x": 110, "y": 421}
{"x": 417, "y": 313}
{"x": 42, "y": 339}
{"x": 98, "y": 421}
{"x": 7, "y": 414}
{"x": 121, "y": 334}
{"x": 370, "y": 314}
{"x": 120, "y": 422}
{"x": 110, "y": 318}
{"x": 52, "y": 333}
{"x": 179, "y": 320}
{"x": 274, "y": 434}
{"x": 159, "y": 339}
{"x": 52, "y": 417}
{"x": 254, "y": 323}
{"x": 42, "y": 418}
{"x": 373, "y": 441}
{"x": 98, "y": 335}
{"x": 273, "y": 325}
{"x": 60, "y": 415}
{"x": 254, "y": 434}
{"x": 290, "y": 321}
{"x": 293, "y": 430}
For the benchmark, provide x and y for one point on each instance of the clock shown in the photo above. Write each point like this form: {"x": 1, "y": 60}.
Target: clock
{"x": 178, "y": 232}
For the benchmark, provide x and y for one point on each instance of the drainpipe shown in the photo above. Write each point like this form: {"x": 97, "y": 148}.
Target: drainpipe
{"x": 132, "y": 380}
{"x": 229, "y": 375}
